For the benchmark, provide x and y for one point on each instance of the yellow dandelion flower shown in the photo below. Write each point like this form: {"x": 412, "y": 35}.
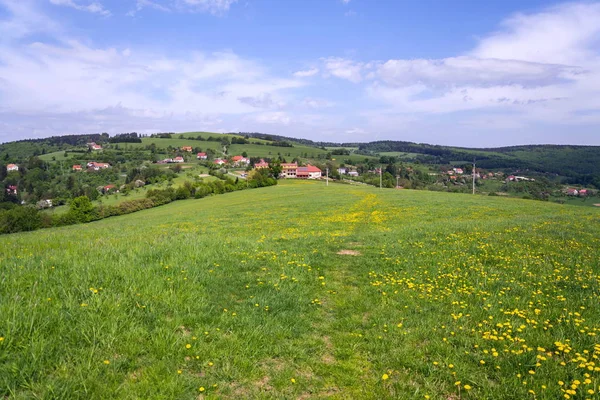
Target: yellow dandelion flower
{"x": 293, "y": 380}
{"x": 385, "y": 377}
{"x": 531, "y": 372}
{"x": 188, "y": 346}
{"x": 201, "y": 389}
{"x": 467, "y": 387}
{"x": 106, "y": 362}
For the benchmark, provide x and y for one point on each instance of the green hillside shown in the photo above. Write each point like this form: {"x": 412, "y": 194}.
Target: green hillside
{"x": 303, "y": 290}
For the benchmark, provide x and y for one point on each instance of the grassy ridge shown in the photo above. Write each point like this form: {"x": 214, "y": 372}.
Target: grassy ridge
{"x": 244, "y": 295}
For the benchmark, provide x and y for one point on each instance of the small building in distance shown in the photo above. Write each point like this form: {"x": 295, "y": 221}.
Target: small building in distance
{"x": 262, "y": 164}
{"x": 201, "y": 156}
{"x": 289, "y": 170}
{"x": 12, "y": 167}
{"x": 187, "y": 148}
{"x": 95, "y": 166}
{"x": 308, "y": 172}
{"x": 77, "y": 167}
{"x": 178, "y": 159}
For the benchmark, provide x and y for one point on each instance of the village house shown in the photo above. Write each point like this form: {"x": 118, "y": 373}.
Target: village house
{"x": 583, "y": 192}
{"x": 308, "y": 172}
{"x": 178, "y": 159}
{"x": 44, "y": 204}
{"x": 572, "y": 192}
{"x": 240, "y": 160}
{"x": 94, "y": 146}
{"x": 12, "y": 190}
{"x": 12, "y": 167}
{"x": 289, "y": 170}
{"x": 97, "y": 166}
{"x": 187, "y": 148}
{"x": 262, "y": 164}
{"x": 76, "y": 167}
{"x": 458, "y": 171}
{"x": 201, "y": 156}
{"x": 352, "y": 173}
{"x": 109, "y": 188}
{"x": 219, "y": 161}
{"x": 342, "y": 171}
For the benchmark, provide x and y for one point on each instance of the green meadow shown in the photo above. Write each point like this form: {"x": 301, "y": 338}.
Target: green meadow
{"x": 302, "y": 291}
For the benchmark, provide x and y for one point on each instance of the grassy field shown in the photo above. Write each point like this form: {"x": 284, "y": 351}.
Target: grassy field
{"x": 357, "y": 293}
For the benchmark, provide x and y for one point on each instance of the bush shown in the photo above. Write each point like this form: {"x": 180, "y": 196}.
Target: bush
{"x": 20, "y": 219}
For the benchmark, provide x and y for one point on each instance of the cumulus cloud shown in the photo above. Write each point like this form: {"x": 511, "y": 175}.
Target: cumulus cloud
{"x": 306, "y": 73}
{"x": 100, "y": 86}
{"x": 470, "y": 70}
{"x": 344, "y": 68}
{"x": 93, "y": 7}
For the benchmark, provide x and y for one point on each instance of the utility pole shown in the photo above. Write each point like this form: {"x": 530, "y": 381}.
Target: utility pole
{"x": 327, "y": 169}
{"x": 397, "y": 180}
{"x": 473, "y": 176}
{"x": 380, "y": 177}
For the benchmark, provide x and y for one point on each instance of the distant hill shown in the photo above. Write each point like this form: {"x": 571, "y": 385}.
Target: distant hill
{"x": 577, "y": 164}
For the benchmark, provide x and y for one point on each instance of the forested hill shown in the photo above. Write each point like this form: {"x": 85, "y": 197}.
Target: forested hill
{"x": 579, "y": 162}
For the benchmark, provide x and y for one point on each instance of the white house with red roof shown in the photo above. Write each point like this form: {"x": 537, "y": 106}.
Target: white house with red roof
{"x": 178, "y": 159}
{"x": 94, "y": 146}
{"x": 12, "y": 167}
{"x": 201, "y": 156}
{"x": 219, "y": 161}
{"x": 76, "y": 167}
{"x": 97, "y": 166}
{"x": 308, "y": 172}
{"x": 240, "y": 160}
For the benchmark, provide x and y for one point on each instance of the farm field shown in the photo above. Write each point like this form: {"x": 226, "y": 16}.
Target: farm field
{"x": 306, "y": 291}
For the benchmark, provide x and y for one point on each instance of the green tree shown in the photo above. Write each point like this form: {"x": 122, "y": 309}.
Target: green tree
{"x": 275, "y": 168}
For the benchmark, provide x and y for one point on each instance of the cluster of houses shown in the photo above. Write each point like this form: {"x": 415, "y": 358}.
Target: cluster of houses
{"x": 176, "y": 160}
{"x": 238, "y": 161}
{"x": 578, "y": 193}
{"x": 513, "y": 178}
{"x": 292, "y": 170}
{"x": 347, "y": 171}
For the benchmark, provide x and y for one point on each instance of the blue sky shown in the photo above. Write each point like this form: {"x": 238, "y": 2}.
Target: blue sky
{"x": 468, "y": 73}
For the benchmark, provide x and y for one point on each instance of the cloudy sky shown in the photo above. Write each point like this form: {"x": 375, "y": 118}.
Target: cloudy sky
{"x": 468, "y": 73}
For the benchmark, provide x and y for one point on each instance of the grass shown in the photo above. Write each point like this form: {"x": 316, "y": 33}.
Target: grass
{"x": 244, "y": 295}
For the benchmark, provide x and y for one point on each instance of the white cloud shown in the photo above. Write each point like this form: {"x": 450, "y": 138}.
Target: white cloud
{"x": 317, "y": 103}
{"x": 278, "y": 118}
{"x": 344, "y": 69}
{"x": 216, "y": 7}
{"x": 306, "y": 73}
{"x": 469, "y": 70}
{"x": 565, "y": 34}
{"x": 93, "y": 7}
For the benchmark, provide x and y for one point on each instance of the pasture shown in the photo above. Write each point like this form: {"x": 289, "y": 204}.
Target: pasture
{"x": 306, "y": 291}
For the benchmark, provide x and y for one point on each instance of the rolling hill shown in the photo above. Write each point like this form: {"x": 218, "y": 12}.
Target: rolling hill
{"x": 303, "y": 290}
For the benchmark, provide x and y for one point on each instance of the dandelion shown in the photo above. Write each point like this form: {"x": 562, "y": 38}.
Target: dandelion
{"x": 293, "y": 380}
{"x": 106, "y": 362}
{"x": 188, "y": 346}
{"x": 201, "y": 389}
{"x": 467, "y": 387}
{"x": 385, "y": 377}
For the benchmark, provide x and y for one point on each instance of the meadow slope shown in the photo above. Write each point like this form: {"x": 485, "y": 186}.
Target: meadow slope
{"x": 307, "y": 291}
